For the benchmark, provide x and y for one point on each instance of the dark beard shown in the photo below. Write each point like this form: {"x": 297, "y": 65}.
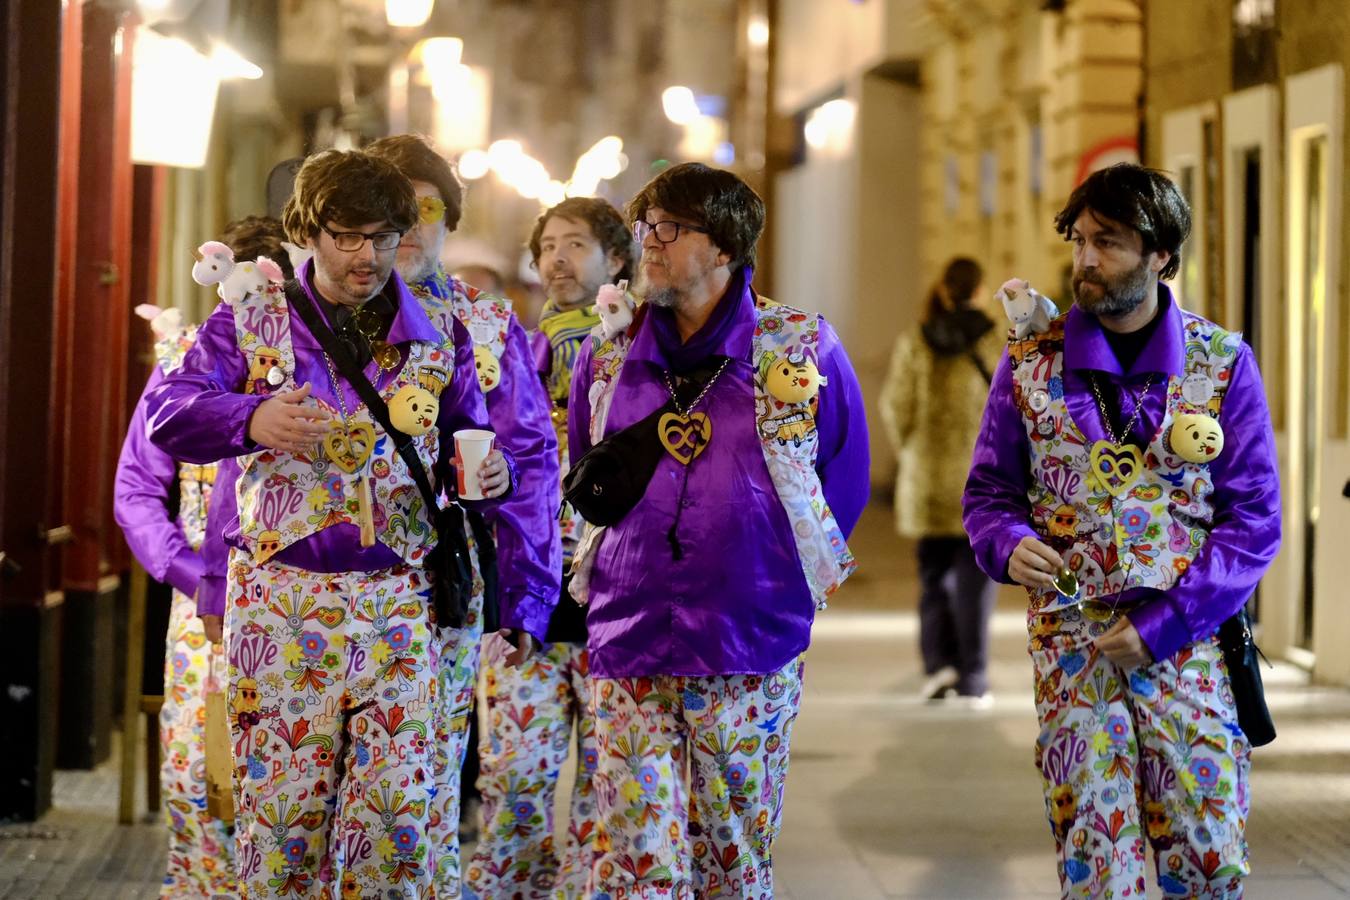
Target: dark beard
{"x": 1120, "y": 296}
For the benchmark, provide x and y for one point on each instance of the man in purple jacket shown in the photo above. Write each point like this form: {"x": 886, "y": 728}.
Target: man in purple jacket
{"x": 702, "y": 596}
{"x": 1101, "y": 483}
{"x": 333, "y": 651}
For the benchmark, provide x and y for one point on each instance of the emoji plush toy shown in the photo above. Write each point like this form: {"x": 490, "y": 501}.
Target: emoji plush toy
{"x": 1029, "y": 312}
{"x": 794, "y": 378}
{"x": 215, "y": 265}
{"x": 489, "y": 368}
{"x": 615, "y": 308}
{"x": 414, "y": 407}
{"x": 1196, "y": 438}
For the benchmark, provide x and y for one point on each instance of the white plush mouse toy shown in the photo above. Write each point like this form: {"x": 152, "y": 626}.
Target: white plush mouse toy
{"x": 1029, "y": 312}
{"x": 215, "y": 265}
{"x": 615, "y": 308}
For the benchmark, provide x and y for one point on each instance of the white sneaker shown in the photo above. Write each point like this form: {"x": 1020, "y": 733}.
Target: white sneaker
{"x": 972, "y": 702}
{"x": 939, "y": 684}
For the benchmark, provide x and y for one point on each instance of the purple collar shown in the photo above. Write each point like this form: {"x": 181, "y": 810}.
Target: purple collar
{"x": 1086, "y": 347}
{"x": 729, "y": 331}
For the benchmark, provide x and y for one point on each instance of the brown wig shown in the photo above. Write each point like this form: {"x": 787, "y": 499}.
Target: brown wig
{"x": 1144, "y": 199}
{"x": 414, "y": 157}
{"x": 255, "y": 236}
{"x": 348, "y": 188}
{"x": 713, "y": 198}
{"x": 605, "y": 222}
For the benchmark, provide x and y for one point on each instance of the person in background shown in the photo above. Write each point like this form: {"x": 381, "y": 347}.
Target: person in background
{"x": 931, "y": 407}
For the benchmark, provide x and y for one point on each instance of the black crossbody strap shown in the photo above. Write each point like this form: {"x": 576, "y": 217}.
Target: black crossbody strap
{"x": 347, "y": 366}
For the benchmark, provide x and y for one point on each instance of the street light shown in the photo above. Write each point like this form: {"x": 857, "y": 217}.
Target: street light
{"x": 407, "y": 13}
{"x": 679, "y": 103}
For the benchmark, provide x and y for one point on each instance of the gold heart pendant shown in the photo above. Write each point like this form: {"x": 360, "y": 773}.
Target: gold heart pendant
{"x": 349, "y": 448}
{"x": 1116, "y": 468}
{"x": 685, "y": 437}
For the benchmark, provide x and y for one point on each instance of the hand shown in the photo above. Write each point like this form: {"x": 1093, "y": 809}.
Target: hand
{"x": 281, "y": 423}
{"x": 1123, "y": 646}
{"x": 524, "y": 646}
{"x": 212, "y": 625}
{"x": 1034, "y": 564}
{"x": 494, "y": 475}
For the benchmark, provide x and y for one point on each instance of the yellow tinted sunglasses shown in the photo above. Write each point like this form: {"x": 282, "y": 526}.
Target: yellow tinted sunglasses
{"x": 430, "y": 210}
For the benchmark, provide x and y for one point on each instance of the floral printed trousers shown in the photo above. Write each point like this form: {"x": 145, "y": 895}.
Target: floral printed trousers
{"x": 201, "y": 848}
{"x": 333, "y": 705}
{"x": 720, "y": 742}
{"x": 531, "y": 710}
{"x": 1153, "y": 754}
{"x": 457, "y": 677}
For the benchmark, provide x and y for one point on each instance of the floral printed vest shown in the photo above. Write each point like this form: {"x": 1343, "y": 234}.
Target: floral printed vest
{"x": 284, "y": 497}
{"x": 194, "y": 482}
{"x": 787, "y": 433}
{"x": 485, "y": 316}
{"x": 1148, "y": 536}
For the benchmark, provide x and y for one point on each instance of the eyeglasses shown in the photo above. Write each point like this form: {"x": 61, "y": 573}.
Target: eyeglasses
{"x": 667, "y": 232}
{"x": 351, "y": 241}
{"x": 430, "y": 210}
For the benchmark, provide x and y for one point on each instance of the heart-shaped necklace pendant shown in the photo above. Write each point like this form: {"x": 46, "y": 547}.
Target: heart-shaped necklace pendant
{"x": 1115, "y": 467}
{"x": 685, "y": 437}
{"x": 349, "y": 446}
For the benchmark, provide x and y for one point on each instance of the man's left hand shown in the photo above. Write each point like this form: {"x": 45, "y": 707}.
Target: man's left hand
{"x": 1124, "y": 647}
{"x": 494, "y": 475}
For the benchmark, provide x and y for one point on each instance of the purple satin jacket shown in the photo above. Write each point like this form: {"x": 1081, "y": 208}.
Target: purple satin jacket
{"x": 1246, "y": 498}
{"x": 199, "y": 414}
{"x": 737, "y": 603}
{"x": 141, "y": 489}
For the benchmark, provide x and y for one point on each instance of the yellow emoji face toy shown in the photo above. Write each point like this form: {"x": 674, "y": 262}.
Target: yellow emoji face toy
{"x": 794, "y": 378}
{"x": 413, "y": 410}
{"x": 1196, "y": 438}
{"x": 489, "y": 368}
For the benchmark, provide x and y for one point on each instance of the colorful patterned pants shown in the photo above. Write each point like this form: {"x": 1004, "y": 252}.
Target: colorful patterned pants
{"x": 201, "y": 848}
{"x": 530, "y": 714}
{"x": 333, "y": 700}
{"x": 1151, "y": 754}
{"x": 457, "y": 677}
{"x": 732, "y": 732}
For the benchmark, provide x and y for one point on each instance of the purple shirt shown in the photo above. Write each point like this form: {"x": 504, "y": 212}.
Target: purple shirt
{"x": 141, "y": 489}
{"x": 1246, "y": 498}
{"x": 222, "y": 533}
{"x": 200, "y": 414}
{"x": 738, "y": 601}
{"x": 529, "y": 551}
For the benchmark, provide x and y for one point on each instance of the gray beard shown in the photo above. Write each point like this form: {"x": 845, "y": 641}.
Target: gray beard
{"x": 667, "y": 298}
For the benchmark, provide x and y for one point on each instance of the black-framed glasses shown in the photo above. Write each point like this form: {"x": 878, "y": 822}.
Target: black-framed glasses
{"x": 667, "y": 231}
{"x": 351, "y": 241}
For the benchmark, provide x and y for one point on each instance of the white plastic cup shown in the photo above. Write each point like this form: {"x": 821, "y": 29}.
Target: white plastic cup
{"x": 472, "y": 446}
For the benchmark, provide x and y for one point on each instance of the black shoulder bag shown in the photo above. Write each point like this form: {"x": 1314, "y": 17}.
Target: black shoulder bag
{"x": 447, "y": 565}
{"x": 1243, "y": 658}
{"x": 611, "y": 477}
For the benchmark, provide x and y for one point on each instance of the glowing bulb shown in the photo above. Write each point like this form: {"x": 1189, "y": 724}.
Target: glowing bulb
{"x": 407, "y": 13}
{"x": 757, "y": 32}
{"x": 474, "y": 164}
{"x": 679, "y": 104}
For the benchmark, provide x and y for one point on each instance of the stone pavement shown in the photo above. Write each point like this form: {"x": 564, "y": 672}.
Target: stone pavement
{"x": 887, "y": 797}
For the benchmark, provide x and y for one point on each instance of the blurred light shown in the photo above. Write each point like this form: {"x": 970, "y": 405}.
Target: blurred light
{"x": 474, "y": 164}
{"x": 679, "y": 104}
{"x": 462, "y": 107}
{"x": 659, "y": 165}
{"x": 701, "y": 137}
{"x": 501, "y": 151}
{"x": 603, "y": 161}
{"x": 757, "y": 32}
{"x": 407, "y": 13}
{"x": 724, "y": 154}
{"x": 173, "y": 100}
{"x": 439, "y": 56}
{"x": 229, "y": 64}
{"x": 830, "y": 126}
{"x": 554, "y": 194}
